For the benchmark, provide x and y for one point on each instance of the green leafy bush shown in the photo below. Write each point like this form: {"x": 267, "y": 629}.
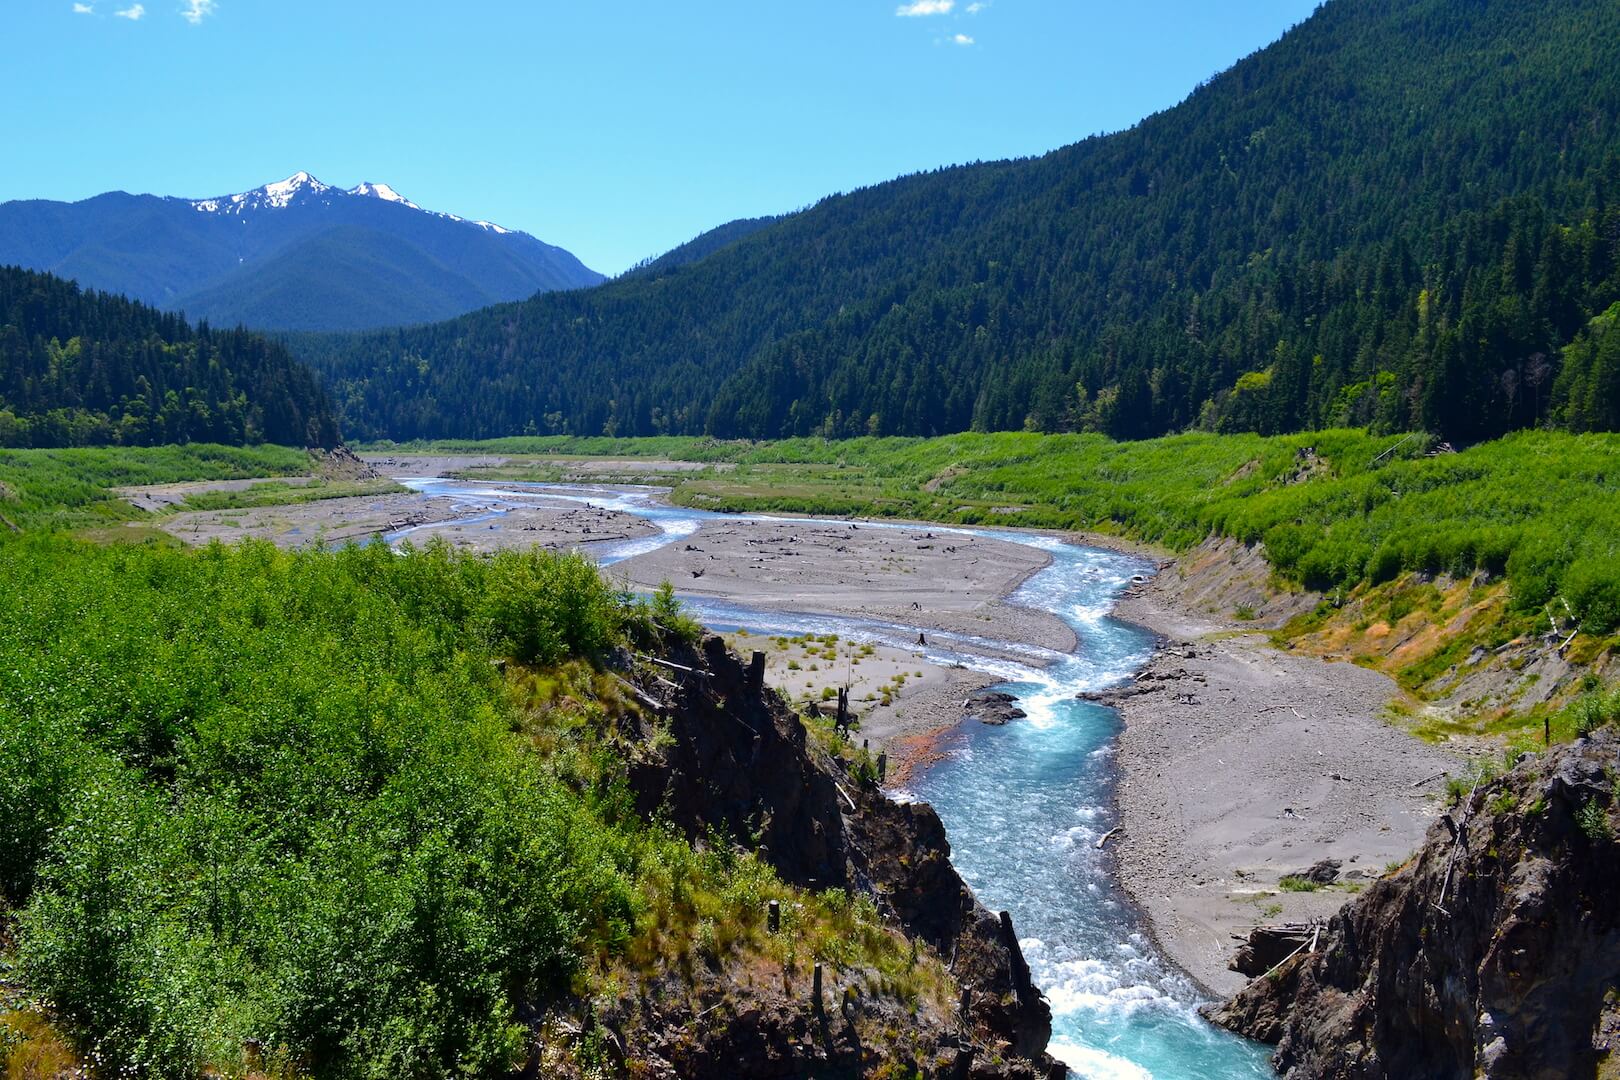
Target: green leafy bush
{"x": 1594, "y": 822}
{"x": 256, "y": 798}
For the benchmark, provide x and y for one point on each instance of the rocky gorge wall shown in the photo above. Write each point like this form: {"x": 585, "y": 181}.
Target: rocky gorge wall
{"x": 733, "y": 760}
{"x": 1493, "y": 953}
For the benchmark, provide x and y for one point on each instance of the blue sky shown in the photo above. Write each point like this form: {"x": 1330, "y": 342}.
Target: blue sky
{"x": 614, "y": 129}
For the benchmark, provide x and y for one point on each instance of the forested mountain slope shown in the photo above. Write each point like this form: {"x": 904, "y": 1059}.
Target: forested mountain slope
{"x": 1398, "y": 214}
{"x": 81, "y": 368}
{"x": 293, "y": 255}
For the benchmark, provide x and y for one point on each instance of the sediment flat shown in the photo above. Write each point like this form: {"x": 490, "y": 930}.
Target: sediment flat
{"x": 1240, "y": 763}
{"x": 365, "y": 517}
{"x": 916, "y": 575}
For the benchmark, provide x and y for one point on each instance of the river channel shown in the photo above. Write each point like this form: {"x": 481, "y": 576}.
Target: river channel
{"x": 1024, "y": 804}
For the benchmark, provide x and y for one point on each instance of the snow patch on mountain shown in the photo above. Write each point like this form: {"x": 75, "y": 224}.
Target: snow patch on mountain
{"x": 383, "y": 192}
{"x": 278, "y": 196}
{"x": 301, "y": 187}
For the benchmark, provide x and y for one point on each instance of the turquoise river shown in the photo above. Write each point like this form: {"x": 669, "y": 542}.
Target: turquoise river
{"x": 1024, "y": 804}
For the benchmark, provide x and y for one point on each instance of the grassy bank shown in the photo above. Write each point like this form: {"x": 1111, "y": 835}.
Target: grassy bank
{"x": 282, "y": 493}
{"x": 71, "y": 489}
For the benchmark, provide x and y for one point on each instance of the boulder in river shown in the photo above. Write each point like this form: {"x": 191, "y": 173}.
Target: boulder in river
{"x": 993, "y": 707}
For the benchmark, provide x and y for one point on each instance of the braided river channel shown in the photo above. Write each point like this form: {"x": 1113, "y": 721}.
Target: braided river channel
{"x": 1024, "y": 804}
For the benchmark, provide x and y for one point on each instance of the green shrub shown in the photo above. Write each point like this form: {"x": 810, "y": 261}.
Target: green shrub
{"x": 253, "y": 795}
{"x": 1593, "y": 820}
{"x": 666, "y": 614}
{"x": 1592, "y": 587}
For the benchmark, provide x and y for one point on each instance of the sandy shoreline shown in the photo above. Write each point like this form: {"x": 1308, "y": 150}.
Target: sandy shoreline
{"x": 1239, "y": 764}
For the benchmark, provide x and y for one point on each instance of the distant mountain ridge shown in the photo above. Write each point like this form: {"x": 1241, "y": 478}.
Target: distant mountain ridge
{"x": 297, "y": 254}
{"x": 702, "y": 246}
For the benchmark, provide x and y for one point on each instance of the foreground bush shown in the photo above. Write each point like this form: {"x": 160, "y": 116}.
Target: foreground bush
{"x": 261, "y": 807}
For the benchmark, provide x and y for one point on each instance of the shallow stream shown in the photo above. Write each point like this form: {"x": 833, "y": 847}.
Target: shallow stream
{"x": 1024, "y": 804}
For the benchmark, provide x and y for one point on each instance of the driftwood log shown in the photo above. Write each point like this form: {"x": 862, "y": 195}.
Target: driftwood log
{"x": 1268, "y": 946}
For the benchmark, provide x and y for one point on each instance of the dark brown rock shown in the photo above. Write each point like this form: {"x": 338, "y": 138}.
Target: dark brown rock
{"x": 1268, "y": 946}
{"x": 993, "y": 707}
{"x": 1495, "y": 953}
{"x": 738, "y": 761}
{"x": 1325, "y": 872}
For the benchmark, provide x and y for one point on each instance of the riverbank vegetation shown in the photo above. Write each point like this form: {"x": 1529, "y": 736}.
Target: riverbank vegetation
{"x": 1335, "y": 510}
{"x": 344, "y": 813}
{"x": 283, "y": 493}
{"x": 73, "y": 488}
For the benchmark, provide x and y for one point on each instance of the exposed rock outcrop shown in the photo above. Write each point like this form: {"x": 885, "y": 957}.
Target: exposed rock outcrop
{"x": 737, "y": 760}
{"x": 1494, "y": 953}
{"x": 992, "y": 707}
{"x": 341, "y": 463}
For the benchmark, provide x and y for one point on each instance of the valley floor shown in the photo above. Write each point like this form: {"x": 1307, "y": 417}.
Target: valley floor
{"x": 367, "y": 517}
{"x": 1238, "y": 763}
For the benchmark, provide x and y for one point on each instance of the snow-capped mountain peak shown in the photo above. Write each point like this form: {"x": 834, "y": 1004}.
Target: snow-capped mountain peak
{"x": 383, "y": 192}
{"x": 278, "y": 195}
{"x": 281, "y": 192}
{"x": 301, "y": 188}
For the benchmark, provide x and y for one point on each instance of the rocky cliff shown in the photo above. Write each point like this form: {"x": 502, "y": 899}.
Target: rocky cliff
{"x": 731, "y": 759}
{"x": 1494, "y": 953}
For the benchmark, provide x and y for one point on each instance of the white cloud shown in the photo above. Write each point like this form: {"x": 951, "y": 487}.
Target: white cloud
{"x": 134, "y": 13}
{"x": 925, "y": 7}
{"x": 976, "y": 7}
{"x": 196, "y": 11}
{"x": 962, "y": 39}
{"x": 84, "y": 9}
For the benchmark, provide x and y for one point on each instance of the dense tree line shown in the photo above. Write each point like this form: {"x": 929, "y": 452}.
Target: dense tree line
{"x": 1402, "y": 214}
{"x": 83, "y": 368}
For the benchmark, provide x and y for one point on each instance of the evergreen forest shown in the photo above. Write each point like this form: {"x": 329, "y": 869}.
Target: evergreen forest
{"x": 85, "y": 368}
{"x": 1405, "y": 214}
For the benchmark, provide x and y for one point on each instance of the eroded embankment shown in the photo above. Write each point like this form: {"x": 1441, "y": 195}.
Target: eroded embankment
{"x": 1278, "y": 728}
{"x": 1463, "y": 659}
{"x": 1494, "y": 953}
{"x": 719, "y": 755}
